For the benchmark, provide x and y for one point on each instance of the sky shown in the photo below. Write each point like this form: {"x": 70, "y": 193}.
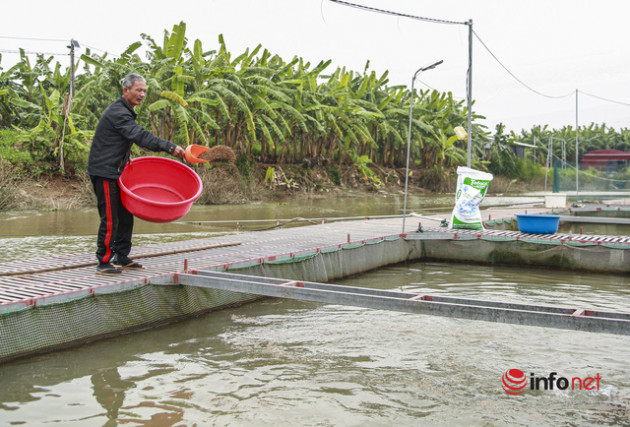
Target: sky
{"x": 554, "y": 47}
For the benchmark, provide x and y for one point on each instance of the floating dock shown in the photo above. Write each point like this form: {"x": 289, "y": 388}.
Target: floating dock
{"x": 409, "y": 302}
{"x": 58, "y": 302}
{"x": 601, "y": 209}
{"x": 595, "y": 220}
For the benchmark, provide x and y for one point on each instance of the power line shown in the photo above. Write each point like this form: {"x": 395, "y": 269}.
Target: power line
{"x": 95, "y": 48}
{"x": 443, "y": 21}
{"x": 32, "y": 52}
{"x": 425, "y": 84}
{"x": 404, "y": 15}
{"x": 514, "y": 76}
{"x": 32, "y": 38}
{"x": 44, "y": 40}
{"x": 459, "y": 98}
{"x": 469, "y": 24}
{"x": 605, "y": 99}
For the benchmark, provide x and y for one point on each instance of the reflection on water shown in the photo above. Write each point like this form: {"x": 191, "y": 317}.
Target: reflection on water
{"x": 282, "y": 362}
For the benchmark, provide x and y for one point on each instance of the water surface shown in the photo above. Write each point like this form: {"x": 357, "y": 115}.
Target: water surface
{"x": 282, "y": 362}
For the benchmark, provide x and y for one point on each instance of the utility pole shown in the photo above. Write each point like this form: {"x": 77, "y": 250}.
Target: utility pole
{"x": 67, "y": 104}
{"x": 469, "y": 93}
{"x": 469, "y": 23}
{"x": 73, "y": 44}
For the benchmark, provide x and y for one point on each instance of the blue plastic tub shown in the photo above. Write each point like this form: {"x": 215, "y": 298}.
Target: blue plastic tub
{"x": 537, "y": 223}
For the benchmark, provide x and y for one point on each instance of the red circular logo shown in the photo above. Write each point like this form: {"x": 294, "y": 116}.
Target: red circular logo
{"x": 514, "y": 381}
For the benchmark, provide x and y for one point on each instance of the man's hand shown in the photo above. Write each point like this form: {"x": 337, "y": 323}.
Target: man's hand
{"x": 179, "y": 152}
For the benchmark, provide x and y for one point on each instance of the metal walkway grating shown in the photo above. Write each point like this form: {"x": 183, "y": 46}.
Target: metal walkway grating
{"x": 33, "y": 282}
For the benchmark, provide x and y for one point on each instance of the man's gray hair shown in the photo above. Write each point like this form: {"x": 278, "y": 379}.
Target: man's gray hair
{"x": 130, "y": 79}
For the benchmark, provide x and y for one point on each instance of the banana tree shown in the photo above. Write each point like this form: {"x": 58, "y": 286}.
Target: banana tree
{"x": 55, "y": 137}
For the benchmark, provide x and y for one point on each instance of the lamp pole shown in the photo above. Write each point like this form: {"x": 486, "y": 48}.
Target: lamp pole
{"x": 411, "y": 102}
{"x": 577, "y": 149}
{"x": 469, "y": 94}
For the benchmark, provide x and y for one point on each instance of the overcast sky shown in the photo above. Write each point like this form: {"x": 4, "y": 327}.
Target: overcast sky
{"x": 553, "y": 46}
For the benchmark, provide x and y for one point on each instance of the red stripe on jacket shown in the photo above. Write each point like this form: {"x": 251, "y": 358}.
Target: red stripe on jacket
{"x": 108, "y": 214}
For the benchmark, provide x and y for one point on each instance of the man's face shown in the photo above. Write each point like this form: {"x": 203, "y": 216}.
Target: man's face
{"x": 136, "y": 93}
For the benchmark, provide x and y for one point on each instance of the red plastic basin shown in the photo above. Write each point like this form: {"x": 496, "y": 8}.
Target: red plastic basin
{"x": 157, "y": 189}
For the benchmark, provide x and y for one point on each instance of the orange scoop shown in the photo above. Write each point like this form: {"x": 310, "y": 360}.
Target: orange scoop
{"x": 193, "y": 151}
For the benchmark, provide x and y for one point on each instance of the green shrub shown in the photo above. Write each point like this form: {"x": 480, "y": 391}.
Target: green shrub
{"x": 8, "y": 190}
{"x": 334, "y": 174}
{"x": 503, "y": 162}
{"x": 11, "y": 148}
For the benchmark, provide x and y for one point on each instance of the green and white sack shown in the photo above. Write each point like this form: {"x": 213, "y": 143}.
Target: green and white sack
{"x": 471, "y": 189}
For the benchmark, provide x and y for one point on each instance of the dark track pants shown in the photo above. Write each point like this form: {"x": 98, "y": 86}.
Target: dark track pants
{"x": 116, "y": 228}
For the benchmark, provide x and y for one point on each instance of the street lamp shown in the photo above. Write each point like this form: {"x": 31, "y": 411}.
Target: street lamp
{"x": 425, "y": 68}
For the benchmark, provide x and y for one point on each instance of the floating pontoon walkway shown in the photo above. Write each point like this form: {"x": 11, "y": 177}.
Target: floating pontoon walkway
{"x": 595, "y": 220}
{"x": 601, "y": 214}
{"x": 59, "y": 301}
{"x": 410, "y": 302}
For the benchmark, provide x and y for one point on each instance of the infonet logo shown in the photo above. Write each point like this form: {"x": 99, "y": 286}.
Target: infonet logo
{"x": 514, "y": 382}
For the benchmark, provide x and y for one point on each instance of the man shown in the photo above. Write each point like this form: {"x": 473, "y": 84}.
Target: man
{"x": 117, "y": 130}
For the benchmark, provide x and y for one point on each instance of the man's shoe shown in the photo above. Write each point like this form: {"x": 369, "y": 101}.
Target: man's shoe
{"x": 127, "y": 263}
{"x": 107, "y": 269}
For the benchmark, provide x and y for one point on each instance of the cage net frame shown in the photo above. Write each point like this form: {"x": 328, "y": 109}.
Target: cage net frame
{"x": 50, "y": 327}
{"x": 44, "y": 328}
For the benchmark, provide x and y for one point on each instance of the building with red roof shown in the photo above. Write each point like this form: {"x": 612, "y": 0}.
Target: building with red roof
{"x": 606, "y": 160}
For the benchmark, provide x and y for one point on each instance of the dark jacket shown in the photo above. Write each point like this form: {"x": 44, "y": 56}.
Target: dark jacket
{"x": 117, "y": 130}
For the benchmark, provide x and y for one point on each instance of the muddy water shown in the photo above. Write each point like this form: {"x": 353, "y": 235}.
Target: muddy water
{"x": 281, "y": 362}
{"x": 42, "y": 234}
